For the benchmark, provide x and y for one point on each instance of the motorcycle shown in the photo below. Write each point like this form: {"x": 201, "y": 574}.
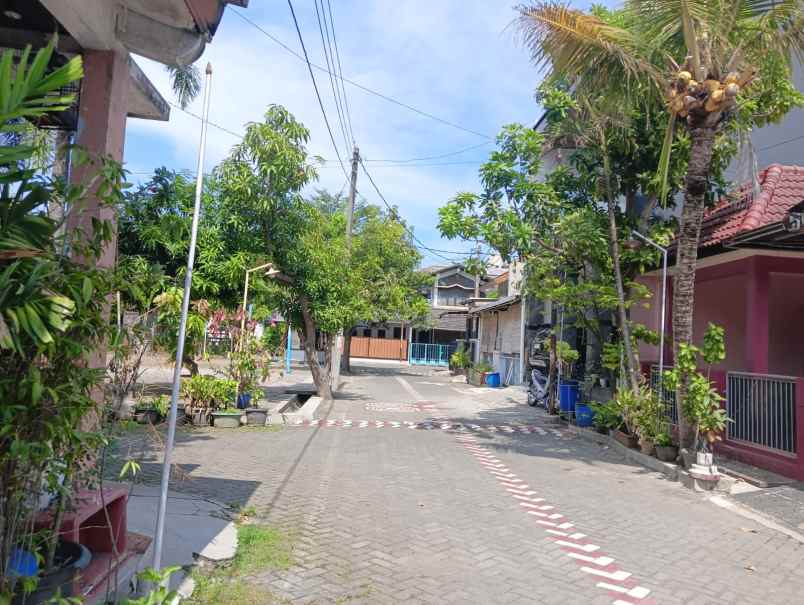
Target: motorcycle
{"x": 539, "y": 387}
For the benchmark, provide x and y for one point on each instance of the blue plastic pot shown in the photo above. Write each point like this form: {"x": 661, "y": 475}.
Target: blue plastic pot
{"x": 568, "y": 395}
{"x": 583, "y": 415}
{"x": 22, "y": 563}
{"x": 243, "y": 401}
{"x": 493, "y": 379}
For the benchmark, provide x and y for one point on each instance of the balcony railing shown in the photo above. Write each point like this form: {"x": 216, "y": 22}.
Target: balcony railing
{"x": 763, "y": 411}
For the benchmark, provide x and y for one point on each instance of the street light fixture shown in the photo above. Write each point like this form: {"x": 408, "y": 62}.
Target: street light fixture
{"x": 663, "y": 250}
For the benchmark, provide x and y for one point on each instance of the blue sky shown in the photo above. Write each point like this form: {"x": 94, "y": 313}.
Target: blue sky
{"x": 457, "y": 59}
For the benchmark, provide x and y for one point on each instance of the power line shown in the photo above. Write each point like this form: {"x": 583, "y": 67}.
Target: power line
{"x": 377, "y": 161}
{"x": 360, "y": 86}
{"x": 340, "y": 69}
{"x": 315, "y": 86}
{"x": 336, "y": 92}
{"x": 395, "y": 214}
{"x": 412, "y": 165}
{"x": 437, "y": 157}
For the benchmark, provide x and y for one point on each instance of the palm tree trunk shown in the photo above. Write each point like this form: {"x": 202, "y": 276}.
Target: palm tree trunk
{"x": 695, "y": 187}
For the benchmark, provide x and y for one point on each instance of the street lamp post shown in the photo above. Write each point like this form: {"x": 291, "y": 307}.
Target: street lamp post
{"x": 270, "y": 271}
{"x": 185, "y": 303}
{"x": 663, "y": 250}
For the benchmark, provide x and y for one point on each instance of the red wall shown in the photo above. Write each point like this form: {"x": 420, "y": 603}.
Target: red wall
{"x": 786, "y": 327}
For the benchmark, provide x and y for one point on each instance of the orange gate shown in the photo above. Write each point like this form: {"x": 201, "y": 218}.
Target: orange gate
{"x": 379, "y": 348}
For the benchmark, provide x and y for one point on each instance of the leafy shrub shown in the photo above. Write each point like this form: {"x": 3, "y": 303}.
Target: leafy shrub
{"x": 460, "y": 359}
{"x": 483, "y": 367}
{"x": 160, "y": 403}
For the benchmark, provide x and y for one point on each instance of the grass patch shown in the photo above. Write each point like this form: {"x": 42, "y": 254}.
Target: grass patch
{"x": 259, "y": 548}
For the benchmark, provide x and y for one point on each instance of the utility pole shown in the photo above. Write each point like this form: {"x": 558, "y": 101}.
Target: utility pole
{"x": 350, "y": 208}
{"x": 344, "y": 341}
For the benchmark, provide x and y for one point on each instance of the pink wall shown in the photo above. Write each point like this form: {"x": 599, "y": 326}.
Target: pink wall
{"x": 647, "y": 313}
{"x": 722, "y": 301}
{"x": 786, "y": 329}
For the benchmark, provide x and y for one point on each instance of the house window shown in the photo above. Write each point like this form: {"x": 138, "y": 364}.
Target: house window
{"x": 397, "y": 333}
{"x": 366, "y": 332}
{"x": 354, "y": 331}
{"x": 380, "y": 333}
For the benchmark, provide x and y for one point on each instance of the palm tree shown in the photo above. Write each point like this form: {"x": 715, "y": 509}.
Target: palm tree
{"x": 185, "y": 80}
{"x": 702, "y": 55}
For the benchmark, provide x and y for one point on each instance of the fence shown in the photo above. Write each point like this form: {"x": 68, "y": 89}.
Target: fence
{"x": 430, "y": 354}
{"x": 378, "y": 348}
{"x": 763, "y": 411}
{"x": 667, "y": 396}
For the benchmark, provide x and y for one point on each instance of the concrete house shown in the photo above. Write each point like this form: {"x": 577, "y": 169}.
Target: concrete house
{"x": 750, "y": 280}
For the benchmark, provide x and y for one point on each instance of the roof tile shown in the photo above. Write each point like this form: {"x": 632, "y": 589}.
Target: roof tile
{"x": 781, "y": 188}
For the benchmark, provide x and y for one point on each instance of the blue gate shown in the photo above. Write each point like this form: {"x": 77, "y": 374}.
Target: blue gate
{"x": 430, "y": 355}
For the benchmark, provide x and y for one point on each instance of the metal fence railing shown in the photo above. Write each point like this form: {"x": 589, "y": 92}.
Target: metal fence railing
{"x": 667, "y": 396}
{"x": 430, "y": 354}
{"x": 763, "y": 411}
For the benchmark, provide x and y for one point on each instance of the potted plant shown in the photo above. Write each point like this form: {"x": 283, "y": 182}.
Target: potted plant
{"x": 53, "y": 316}
{"x": 606, "y": 417}
{"x": 248, "y": 366}
{"x": 477, "y": 373}
{"x": 256, "y": 415}
{"x": 200, "y": 394}
{"x": 625, "y": 401}
{"x": 702, "y": 402}
{"x": 646, "y": 416}
{"x": 227, "y": 418}
{"x": 666, "y": 451}
{"x": 152, "y": 410}
{"x": 459, "y": 361}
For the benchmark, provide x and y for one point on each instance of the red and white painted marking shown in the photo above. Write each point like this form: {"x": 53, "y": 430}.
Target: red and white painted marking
{"x": 602, "y": 569}
{"x": 436, "y": 423}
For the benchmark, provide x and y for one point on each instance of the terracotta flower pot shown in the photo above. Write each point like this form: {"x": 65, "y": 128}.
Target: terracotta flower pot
{"x": 626, "y": 439}
{"x": 667, "y": 453}
{"x": 647, "y": 447}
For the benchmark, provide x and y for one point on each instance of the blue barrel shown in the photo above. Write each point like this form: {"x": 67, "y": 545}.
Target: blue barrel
{"x": 583, "y": 415}
{"x": 493, "y": 379}
{"x": 568, "y": 395}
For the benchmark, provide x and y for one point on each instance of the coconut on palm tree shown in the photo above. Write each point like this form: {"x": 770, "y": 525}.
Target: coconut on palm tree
{"x": 711, "y": 60}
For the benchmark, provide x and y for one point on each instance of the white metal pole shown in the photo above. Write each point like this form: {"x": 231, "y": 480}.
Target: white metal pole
{"x": 185, "y": 304}
{"x": 662, "y": 320}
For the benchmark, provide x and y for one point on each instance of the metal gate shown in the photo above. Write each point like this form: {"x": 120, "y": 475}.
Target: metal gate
{"x": 430, "y": 354}
{"x": 763, "y": 411}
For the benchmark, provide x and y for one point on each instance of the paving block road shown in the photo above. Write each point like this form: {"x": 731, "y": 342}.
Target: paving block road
{"x": 414, "y": 488}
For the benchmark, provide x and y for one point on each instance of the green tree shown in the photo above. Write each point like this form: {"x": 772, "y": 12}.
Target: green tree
{"x": 385, "y": 260}
{"x": 730, "y": 69}
{"x": 260, "y": 186}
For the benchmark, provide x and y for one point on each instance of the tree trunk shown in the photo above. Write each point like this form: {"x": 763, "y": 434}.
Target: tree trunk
{"x": 346, "y": 367}
{"x": 552, "y": 374}
{"x": 695, "y": 187}
{"x": 321, "y": 375}
{"x": 614, "y": 243}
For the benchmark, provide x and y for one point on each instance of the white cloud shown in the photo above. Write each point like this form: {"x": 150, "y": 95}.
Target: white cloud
{"x": 452, "y": 58}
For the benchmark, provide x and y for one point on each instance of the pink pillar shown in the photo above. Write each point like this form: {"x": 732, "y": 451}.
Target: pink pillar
{"x": 756, "y": 317}
{"x": 101, "y": 130}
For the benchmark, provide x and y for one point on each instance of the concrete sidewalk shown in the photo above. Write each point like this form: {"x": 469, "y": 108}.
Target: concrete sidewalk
{"x": 193, "y": 525}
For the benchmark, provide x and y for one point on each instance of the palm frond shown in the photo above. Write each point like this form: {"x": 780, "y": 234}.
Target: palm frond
{"x": 185, "y": 80}
{"x": 582, "y": 46}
